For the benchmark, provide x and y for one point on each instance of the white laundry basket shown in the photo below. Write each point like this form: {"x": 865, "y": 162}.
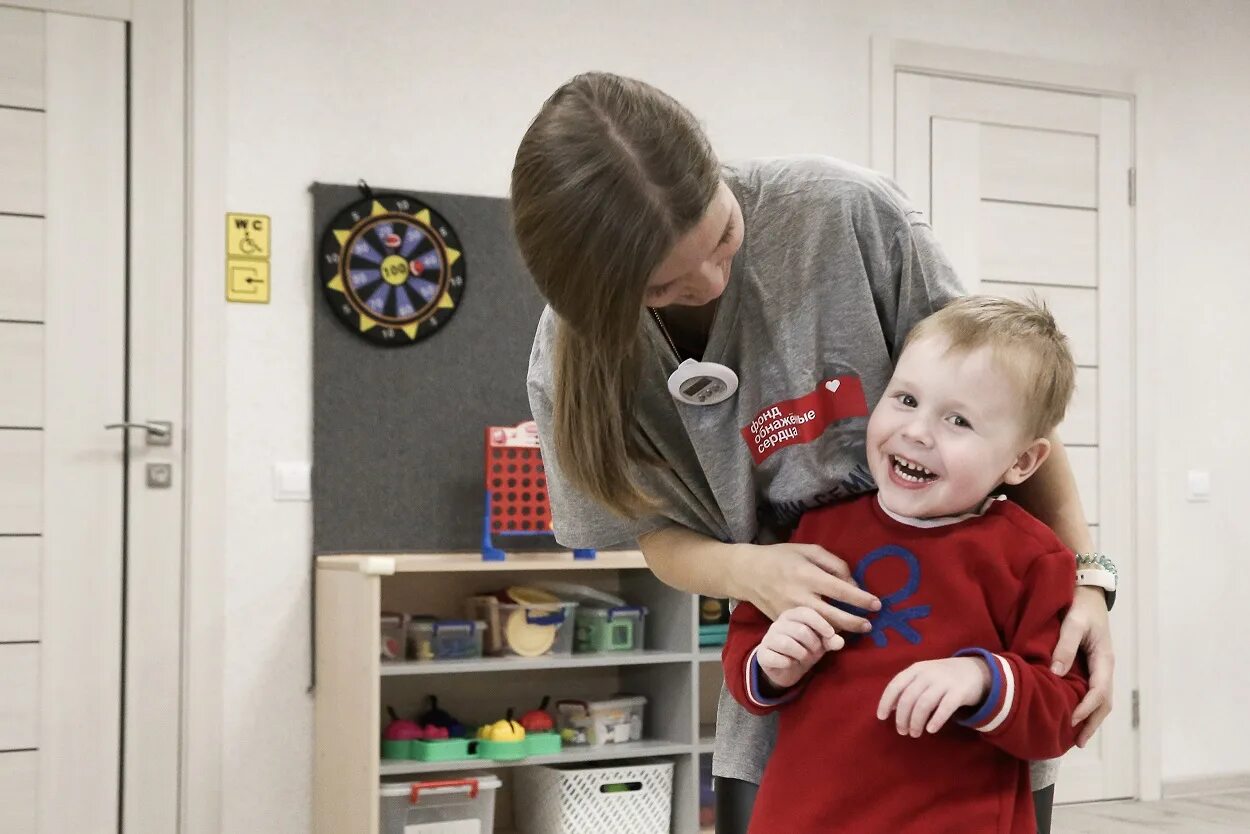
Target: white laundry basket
{"x": 634, "y": 798}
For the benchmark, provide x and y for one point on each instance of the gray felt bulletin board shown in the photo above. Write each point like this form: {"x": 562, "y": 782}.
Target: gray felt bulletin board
{"x": 398, "y": 431}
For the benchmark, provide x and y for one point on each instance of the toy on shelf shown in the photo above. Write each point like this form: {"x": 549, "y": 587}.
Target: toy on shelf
{"x": 435, "y": 716}
{"x": 539, "y": 720}
{"x": 437, "y": 737}
{"x": 713, "y": 621}
{"x": 393, "y": 637}
{"x": 398, "y": 737}
{"x": 604, "y": 622}
{"x": 516, "y": 489}
{"x": 503, "y": 740}
{"x": 525, "y": 621}
{"x": 430, "y": 638}
{"x": 614, "y": 721}
{"x": 541, "y": 737}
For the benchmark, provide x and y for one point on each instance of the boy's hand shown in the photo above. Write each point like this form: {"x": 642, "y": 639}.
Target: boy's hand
{"x": 793, "y": 644}
{"x": 924, "y": 695}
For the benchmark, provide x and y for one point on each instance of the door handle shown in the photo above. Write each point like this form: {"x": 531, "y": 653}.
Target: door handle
{"x": 159, "y": 432}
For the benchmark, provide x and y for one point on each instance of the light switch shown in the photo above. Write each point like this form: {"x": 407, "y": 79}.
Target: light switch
{"x": 292, "y": 480}
{"x": 1198, "y": 485}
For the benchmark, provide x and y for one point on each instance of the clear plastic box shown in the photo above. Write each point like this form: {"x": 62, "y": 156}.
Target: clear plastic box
{"x": 594, "y": 723}
{"x": 525, "y": 630}
{"x": 393, "y": 637}
{"x": 615, "y": 629}
{"x": 453, "y": 806}
{"x": 430, "y": 639}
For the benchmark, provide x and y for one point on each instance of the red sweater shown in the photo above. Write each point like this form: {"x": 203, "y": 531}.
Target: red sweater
{"x": 994, "y": 586}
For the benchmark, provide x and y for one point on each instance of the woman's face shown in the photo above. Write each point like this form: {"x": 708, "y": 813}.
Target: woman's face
{"x": 696, "y": 270}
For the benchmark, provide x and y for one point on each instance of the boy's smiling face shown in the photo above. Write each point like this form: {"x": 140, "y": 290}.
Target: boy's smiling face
{"x": 949, "y": 429}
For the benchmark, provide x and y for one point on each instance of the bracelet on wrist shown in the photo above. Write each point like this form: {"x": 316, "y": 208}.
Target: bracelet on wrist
{"x": 1096, "y": 561}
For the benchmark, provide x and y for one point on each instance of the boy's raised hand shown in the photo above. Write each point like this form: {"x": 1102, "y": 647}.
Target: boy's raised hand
{"x": 792, "y": 645}
{"x": 925, "y": 694}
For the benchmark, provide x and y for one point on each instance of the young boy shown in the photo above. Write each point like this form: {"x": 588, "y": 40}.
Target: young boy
{"x": 927, "y": 722}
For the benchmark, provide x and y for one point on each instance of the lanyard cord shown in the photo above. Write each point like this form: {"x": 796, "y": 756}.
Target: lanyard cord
{"x": 664, "y": 331}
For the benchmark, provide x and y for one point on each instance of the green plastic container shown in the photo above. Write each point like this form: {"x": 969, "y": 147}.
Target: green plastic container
{"x": 543, "y": 744}
{"x": 399, "y": 749}
{"x": 616, "y": 629}
{"x": 503, "y": 751}
{"x": 444, "y": 750}
{"x": 713, "y": 635}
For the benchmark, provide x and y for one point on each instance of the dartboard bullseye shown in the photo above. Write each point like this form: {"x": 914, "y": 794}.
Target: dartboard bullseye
{"x": 392, "y": 269}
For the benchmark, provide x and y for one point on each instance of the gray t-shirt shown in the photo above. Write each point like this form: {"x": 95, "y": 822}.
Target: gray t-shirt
{"x": 835, "y": 268}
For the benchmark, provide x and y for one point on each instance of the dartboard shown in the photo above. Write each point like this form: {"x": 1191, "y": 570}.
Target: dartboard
{"x": 392, "y": 269}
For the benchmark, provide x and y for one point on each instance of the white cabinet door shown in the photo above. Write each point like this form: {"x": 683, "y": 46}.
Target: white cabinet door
{"x": 1028, "y": 192}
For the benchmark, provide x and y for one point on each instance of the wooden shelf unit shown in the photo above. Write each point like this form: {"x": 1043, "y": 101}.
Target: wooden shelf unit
{"x": 353, "y": 686}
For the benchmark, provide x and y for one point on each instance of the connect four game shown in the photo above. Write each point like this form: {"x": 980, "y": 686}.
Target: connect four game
{"x": 516, "y": 488}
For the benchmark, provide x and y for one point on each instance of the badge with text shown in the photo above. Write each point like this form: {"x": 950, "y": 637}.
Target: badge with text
{"x": 804, "y": 418}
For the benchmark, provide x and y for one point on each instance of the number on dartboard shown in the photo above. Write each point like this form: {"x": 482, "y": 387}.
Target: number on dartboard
{"x": 392, "y": 269}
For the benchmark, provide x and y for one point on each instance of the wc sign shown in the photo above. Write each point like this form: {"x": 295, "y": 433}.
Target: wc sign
{"x": 247, "y": 258}
{"x": 247, "y": 236}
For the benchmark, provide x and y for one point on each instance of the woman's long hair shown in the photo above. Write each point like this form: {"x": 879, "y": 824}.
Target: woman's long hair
{"x": 610, "y": 174}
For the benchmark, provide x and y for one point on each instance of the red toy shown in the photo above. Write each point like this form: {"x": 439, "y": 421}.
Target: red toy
{"x": 401, "y": 729}
{"x": 538, "y": 720}
{"x": 516, "y": 488}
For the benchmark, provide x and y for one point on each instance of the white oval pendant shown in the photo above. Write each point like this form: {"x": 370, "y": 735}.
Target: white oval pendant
{"x": 702, "y": 383}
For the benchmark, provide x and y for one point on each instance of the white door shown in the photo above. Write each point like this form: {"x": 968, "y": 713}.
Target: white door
{"x": 1028, "y": 191}
{"x": 63, "y": 171}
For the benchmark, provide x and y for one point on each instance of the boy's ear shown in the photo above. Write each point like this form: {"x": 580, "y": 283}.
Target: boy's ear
{"x": 1028, "y": 461}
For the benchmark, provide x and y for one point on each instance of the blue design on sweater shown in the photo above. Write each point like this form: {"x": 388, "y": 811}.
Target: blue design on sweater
{"x": 889, "y": 616}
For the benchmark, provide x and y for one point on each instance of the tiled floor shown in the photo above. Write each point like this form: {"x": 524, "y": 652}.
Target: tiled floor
{"x": 1215, "y": 813}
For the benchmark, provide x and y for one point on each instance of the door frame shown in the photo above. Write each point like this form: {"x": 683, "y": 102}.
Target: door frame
{"x": 172, "y": 741}
{"x": 890, "y": 56}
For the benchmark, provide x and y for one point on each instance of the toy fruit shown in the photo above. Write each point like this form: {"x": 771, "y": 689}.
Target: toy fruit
{"x": 433, "y": 732}
{"x": 441, "y": 718}
{"x": 401, "y": 729}
{"x": 538, "y": 720}
{"x": 505, "y": 730}
{"x": 398, "y": 737}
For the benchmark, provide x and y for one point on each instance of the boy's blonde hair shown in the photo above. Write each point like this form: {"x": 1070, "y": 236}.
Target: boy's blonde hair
{"x": 1024, "y": 339}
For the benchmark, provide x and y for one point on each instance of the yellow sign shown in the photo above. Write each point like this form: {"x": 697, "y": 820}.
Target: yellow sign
{"x": 247, "y": 258}
{"x": 247, "y": 281}
{"x": 247, "y": 236}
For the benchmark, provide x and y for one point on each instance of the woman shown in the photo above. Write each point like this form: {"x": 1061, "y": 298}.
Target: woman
{"x": 714, "y": 339}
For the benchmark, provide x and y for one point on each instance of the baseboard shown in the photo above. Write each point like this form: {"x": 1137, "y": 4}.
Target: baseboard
{"x": 1206, "y": 784}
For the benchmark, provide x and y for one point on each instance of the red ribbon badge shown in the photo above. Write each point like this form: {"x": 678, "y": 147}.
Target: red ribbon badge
{"x": 804, "y": 418}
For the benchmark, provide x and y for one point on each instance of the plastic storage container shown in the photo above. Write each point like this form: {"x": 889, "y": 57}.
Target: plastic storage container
{"x": 635, "y": 798}
{"x": 453, "y": 806}
{"x": 430, "y": 639}
{"x": 594, "y": 723}
{"x": 525, "y": 630}
{"x": 393, "y": 637}
{"x": 616, "y": 629}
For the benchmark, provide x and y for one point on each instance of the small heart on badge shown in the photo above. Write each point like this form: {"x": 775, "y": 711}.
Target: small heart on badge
{"x": 833, "y": 385}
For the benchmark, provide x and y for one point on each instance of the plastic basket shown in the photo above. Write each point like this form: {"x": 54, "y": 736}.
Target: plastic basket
{"x": 635, "y": 798}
